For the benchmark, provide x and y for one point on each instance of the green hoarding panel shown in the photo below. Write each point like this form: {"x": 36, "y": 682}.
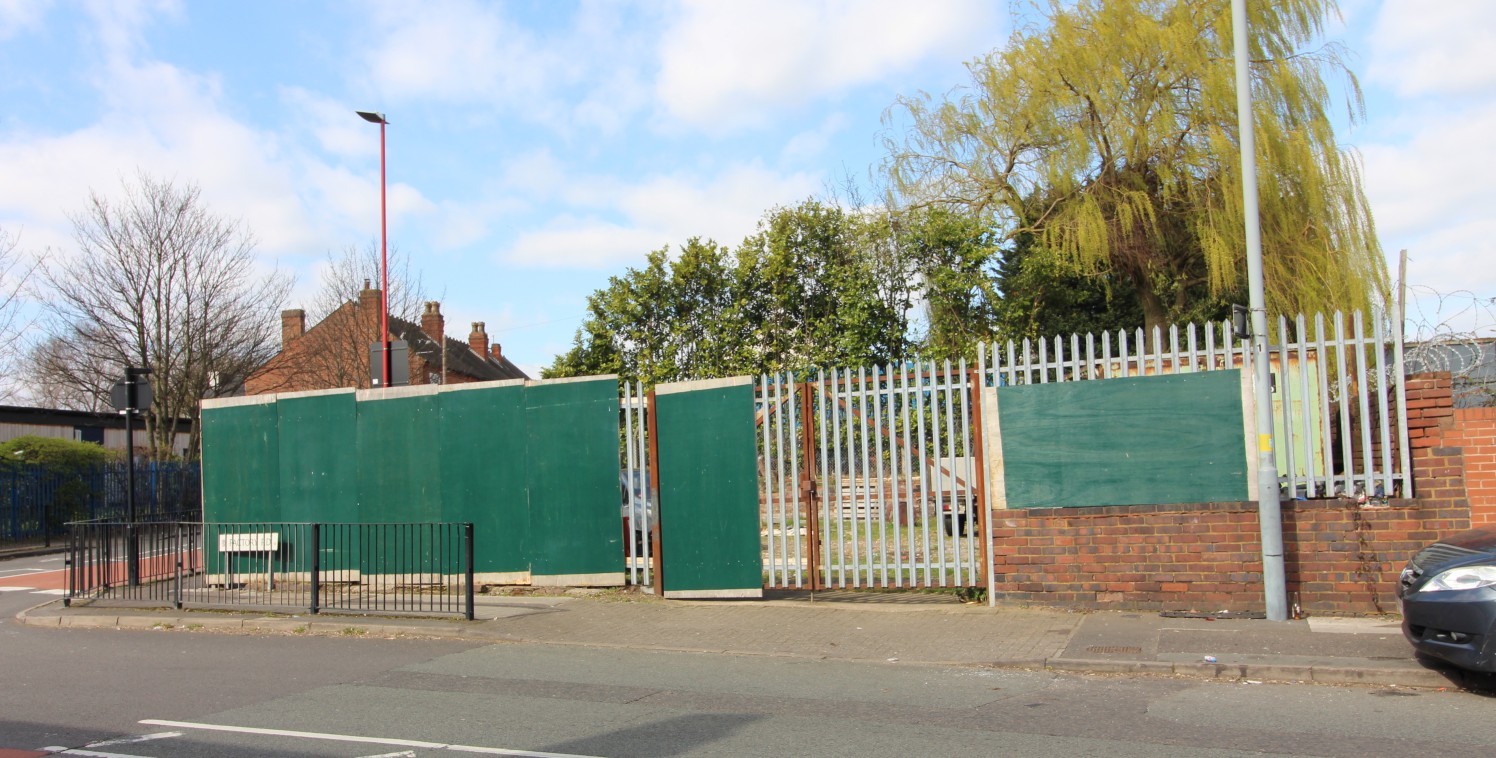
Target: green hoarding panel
{"x": 572, "y": 474}
{"x": 241, "y": 463}
{"x": 482, "y": 446}
{"x": 399, "y": 473}
{"x": 319, "y": 466}
{"x": 708, "y": 469}
{"x": 1142, "y": 440}
{"x": 399, "y": 458}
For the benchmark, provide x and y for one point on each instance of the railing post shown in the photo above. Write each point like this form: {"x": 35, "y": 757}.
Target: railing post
{"x": 467, "y": 551}
{"x": 72, "y": 567}
{"x": 316, "y": 566}
{"x": 177, "y": 583}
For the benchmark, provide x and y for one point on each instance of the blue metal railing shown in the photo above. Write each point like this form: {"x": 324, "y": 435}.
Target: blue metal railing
{"x": 36, "y": 502}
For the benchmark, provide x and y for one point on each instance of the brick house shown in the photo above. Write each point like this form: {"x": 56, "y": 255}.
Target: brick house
{"x": 335, "y": 352}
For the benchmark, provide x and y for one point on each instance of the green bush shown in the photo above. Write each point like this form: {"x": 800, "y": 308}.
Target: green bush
{"x": 60, "y": 455}
{"x": 71, "y": 465}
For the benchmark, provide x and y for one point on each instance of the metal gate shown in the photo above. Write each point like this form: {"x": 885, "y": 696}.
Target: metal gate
{"x": 872, "y": 478}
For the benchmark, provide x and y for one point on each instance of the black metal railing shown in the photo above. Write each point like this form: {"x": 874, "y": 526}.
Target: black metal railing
{"x": 420, "y": 568}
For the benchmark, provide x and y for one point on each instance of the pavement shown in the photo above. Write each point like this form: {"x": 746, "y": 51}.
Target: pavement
{"x": 894, "y": 628}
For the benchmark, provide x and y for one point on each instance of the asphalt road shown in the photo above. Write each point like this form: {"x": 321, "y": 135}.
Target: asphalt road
{"x": 173, "y": 693}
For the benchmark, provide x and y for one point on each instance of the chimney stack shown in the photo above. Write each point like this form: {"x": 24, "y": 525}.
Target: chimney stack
{"x": 432, "y": 322}
{"x": 497, "y": 352}
{"x": 293, "y": 325}
{"x": 478, "y": 340}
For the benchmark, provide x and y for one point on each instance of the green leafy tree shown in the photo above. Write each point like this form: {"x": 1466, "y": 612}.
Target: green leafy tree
{"x": 1108, "y": 134}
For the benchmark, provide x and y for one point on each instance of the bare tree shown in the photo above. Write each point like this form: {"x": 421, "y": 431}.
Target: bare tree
{"x": 15, "y": 271}
{"x": 336, "y": 352}
{"x": 158, "y": 281}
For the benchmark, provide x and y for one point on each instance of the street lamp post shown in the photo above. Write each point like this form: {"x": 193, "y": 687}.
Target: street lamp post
{"x": 384, "y": 279}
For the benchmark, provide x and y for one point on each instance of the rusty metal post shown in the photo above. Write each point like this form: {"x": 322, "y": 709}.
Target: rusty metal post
{"x": 812, "y": 497}
{"x": 654, "y": 484}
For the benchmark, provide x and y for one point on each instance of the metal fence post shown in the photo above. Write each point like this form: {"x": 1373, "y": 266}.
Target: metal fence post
{"x": 316, "y": 566}
{"x": 177, "y": 584}
{"x": 467, "y": 551}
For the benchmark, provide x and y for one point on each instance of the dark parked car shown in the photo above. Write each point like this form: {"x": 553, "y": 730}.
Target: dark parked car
{"x": 1448, "y": 599}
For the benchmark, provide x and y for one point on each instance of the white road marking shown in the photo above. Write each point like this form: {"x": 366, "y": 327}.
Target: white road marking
{"x": 18, "y": 572}
{"x": 50, "y": 592}
{"x": 16, "y": 589}
{"x": 90, "y": 753}
{"x": 355, "y": 738}
{"x": 134, "y": 739}
{"x": 401, "y": 754}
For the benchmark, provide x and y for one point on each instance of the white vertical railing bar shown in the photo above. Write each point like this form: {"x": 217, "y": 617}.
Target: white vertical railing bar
{"x": 1323, "y": 374}
{"x": 1012, "y": 366}
{"x": 1043, "y": 361}
{"x": 1347, "y": 467}
{"x": 1174, "y": 349}
{"x": 1194, "y": 353}
{"x": 948, "y": 480}
{"x": 924, "y": 477}
{"x": 1385, "y": 425}
{"x": 1158, "y": 352}
{"x": 1059, "y": 359}
{"x": 1284, "y": 423}
{"x": 908, "y": 460}
{"x": 629, "y": 466}
{"x": 1091, "y": 372}
{"x": 824, "y": 464}
{"x": 878, "y": 399}
{"x": 1306, "y": 410}
{"x": 867, "y": 484}
{"x": 1364, "y": 397}
{"x": 839, "y": 408}
{"x": 966, "y": 523}
{"x": 1399, "y": 369}
{"x": 1106, "y": 356}
{"x": 783, "y": 383}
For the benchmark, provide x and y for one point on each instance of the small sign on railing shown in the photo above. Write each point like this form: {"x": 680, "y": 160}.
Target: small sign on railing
{"x": 262, "y": 542}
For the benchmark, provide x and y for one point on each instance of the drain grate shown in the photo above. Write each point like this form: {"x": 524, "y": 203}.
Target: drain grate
{"x": 1113, "y": 649}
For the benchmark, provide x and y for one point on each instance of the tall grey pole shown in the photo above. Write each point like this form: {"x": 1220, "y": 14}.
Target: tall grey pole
{"x": 1269, "y": 509}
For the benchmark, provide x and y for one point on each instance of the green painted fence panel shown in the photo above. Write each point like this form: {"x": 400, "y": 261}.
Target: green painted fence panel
{"x": 241, "y": 469}
{"x": 241, "y": 462}
{"x": 319, "y": 465}
{"x": 708, "y": 501}
{"x": 399, "y": 457}
{"x": 1142, "y": 440}
{"x": 483, "y": 441}
{"x": 398, "y": 466}
{"x": 572, "y": 475}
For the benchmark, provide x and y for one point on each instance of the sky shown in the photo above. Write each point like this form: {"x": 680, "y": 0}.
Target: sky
{"x": 537, "y": 148}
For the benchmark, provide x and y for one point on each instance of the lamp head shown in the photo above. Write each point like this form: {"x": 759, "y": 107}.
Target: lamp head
{"x": 373, "y": 118}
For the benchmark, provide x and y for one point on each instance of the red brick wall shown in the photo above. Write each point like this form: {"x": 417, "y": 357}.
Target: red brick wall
{"x": 1339, "y": 556}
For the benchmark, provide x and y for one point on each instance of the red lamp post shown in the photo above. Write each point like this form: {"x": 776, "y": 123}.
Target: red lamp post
{"x": 384, "y": 279}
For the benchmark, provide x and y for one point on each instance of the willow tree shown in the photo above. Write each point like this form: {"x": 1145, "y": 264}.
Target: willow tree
{"x": 1108, "y": 134}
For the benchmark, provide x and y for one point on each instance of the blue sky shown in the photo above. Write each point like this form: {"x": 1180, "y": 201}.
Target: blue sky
{"x": 537, "y": 148}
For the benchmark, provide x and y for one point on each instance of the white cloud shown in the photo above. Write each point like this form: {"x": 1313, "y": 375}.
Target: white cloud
{"x": 810, "y": 144}
{"x": 613, "y": 222}
{"x": 725, "y": 65}
{"x": 1431, "y": 192}
{"x": 1444, "y": 47}
{"x": 455, "y": 50}
{"x": 17, "y": 16}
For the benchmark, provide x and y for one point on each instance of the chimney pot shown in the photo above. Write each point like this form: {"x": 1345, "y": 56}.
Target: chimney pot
{"x": 478, "y": 339}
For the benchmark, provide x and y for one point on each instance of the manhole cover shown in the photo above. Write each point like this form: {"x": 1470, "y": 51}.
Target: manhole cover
{"x": 1113, "y": 649}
